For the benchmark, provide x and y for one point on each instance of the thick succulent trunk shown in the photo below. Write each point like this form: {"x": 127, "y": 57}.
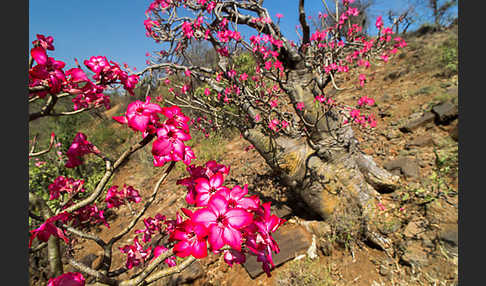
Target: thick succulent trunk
{"x": 327, "y": 170}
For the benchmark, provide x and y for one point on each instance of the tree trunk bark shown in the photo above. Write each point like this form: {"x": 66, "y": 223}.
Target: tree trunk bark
{"x": 327, "y": 169}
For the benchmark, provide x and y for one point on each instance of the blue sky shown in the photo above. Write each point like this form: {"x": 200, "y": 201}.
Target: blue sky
{"x": 115, "y": 29}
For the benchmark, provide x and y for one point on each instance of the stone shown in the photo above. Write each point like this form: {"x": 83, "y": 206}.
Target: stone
{"x": 188, "y": 275}
{"x": 407, "y": 167}
{"x": 89, "y": 259}
{"x": 413, "y": 228}
{"x": 292, "y": 239}
{"x": 421, "y": 141}
{"x": 449, "y": 234}
{"x": 439, "y": 211}
{"x": 281, "y": 210}
{"x": 414, "y": 255}
{"x": 415, "y": 123}
{"x": 454, "y": 132}
{"x": 445, "y": 112}
{"x": 384, "y": 270}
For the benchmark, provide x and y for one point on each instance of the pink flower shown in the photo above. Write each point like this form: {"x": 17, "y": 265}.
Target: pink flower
{"x": 140, "y": 115}
{"x": 187, "y": 72}
{"x": 80, "y": 147}
{"x": 65, "y": 184}
{"x": 232, "y": 256}
{"x": 170, "y": 139}
{"x": 97, "y": 64}
{"x": 45, "y": 230}
{"x": 135, "y": 253}
{"x": 207, "y": 91}
{"x": 152, "y": 226}
{"x": 223, "y": 222}
{"x": 299, "y": 106}
{"x": 158, "y": 250}
{"x": 206, "y": 188}
{"x": 243, "y": 77}
{"x": 236, "y": 198}
{"x": 279, "y": 16}
{"x": 44, "y": 42}
{"x": 191, "y": 239}
{"x": 39, "y": 55}
{"x": 257, "y": 117}
{"x": 362, "y": 79}
{"x": 379, "y": 22}
{"x": 187, "y": 29}
{"x": 273, "y": 124}
{"x": 67, "y": 279}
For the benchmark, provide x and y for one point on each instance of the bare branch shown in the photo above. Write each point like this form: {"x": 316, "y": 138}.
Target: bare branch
{"x": 110, "y": 169}
{"x": 303, "y": 23}
{"x": 88, "y": 270}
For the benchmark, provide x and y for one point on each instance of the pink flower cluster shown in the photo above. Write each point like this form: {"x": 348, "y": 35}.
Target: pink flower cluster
{"x": 88, "y": 214}
{"x": 137, "y": 254}
{"x": 111, "y": 72}
{"x": 171, "y": 134}
{"x": 65, "y": 184}
{"x": 225, "y": 216}
{"x": 49, "y": 72}
{"x": 115, "y": 198}
{"x": 361, "y": 119}
{"x": 80, "y": 147}
{"x": 364, "y": 100}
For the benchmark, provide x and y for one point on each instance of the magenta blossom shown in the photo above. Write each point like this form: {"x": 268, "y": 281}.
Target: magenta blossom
{"x": 236, "y": 198}
{"x": 191, "y": 239}
{"x": 44, "y": 42}
{"x": 206, "y": 188}
{"x": 67, "y": 279}
{"x": 45, "y": 230}
{"x": 136, "y": 255}
{"x": 224, "y": 223}
{"x": 80, "y": 147}
{"x": 140, "y": 115}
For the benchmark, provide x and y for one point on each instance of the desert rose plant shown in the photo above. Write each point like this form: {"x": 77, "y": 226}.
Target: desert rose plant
{"x": 282, "y": 103}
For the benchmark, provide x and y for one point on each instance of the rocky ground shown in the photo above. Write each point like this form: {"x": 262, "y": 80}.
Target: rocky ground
{"x": 416, "y": 138}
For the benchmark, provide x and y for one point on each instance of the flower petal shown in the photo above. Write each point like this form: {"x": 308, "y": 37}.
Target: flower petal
{"x": 238, "y": 218}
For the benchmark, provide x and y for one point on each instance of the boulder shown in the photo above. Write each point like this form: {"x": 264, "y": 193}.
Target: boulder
{"x": 414, "y": 255}
{"x": 407, "y": 166}
{"x": 445, "y": 112}
{"x": 415, "y": 123}
{"x": 420, "y": 141}
{"x": 293, "y": 240}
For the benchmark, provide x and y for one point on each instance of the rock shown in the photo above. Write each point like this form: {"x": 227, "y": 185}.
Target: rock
{"x": 395, "y": 74}
{"x": 445, "y": 112}
{"x": 293, "y": 240}
{"x": 89, "y": 259}
{"x": 415, "y": 123}
{"x": 454, "y": 132}
{"x": 413, "y": 228}
{"x": 454, "y": 91}
{"x": 414, "y": 255}
{"x": 391, "y": 134}
{"x": 439, "y": 211}
{"x": 449, "y": 234}
{"x": 389, "y": 225}
{"x": 281, "y": 210}
{"x": 384, "y": 270}
{"x": 407, "y": 167}
{"x": 420, "y": 141}
{"x": 320, "y": 228}
{"x": 188, "y": 275}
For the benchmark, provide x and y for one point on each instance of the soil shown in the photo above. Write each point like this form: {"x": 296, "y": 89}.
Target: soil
{"x": 420, "y": 217}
